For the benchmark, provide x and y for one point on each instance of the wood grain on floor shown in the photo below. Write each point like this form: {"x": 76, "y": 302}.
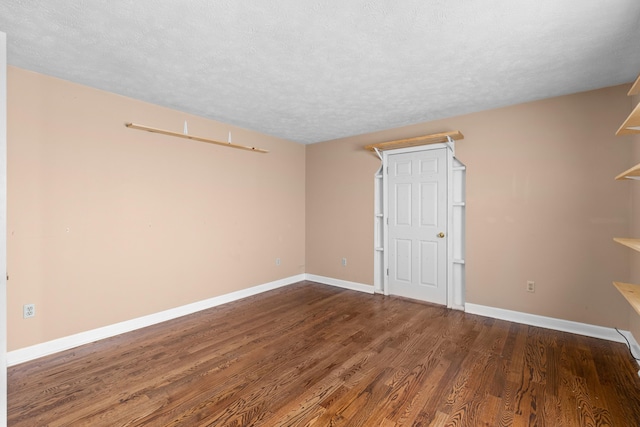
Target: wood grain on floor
{"x": 315, "y": 355}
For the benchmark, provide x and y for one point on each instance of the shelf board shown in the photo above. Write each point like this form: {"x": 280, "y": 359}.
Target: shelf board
{"x": 632, "y": 124}
{"x": 434, "y": 138}
{"x": 192, "y": 137}
{"x": 631, "y": 243}
{"x": 631, "y": 293}
{"x": 631, "y": 173}
{"x": 635, "y": 89}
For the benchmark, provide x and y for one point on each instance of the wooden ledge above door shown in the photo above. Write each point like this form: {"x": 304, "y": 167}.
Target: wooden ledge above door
{"x": 434, "y": 138}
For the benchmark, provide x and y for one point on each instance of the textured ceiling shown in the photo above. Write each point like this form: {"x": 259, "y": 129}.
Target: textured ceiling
{"x": 312, "y": 71}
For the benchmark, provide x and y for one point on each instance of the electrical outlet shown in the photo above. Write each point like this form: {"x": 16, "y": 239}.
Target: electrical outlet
{"x": 344, "y": 262}
{"x": 531, "y": 286}
{"x": 277, "y": 261}
{"x": 28, "y": 310}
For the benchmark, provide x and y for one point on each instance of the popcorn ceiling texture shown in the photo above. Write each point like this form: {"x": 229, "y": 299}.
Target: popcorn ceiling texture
{"x": 312, "y": 71}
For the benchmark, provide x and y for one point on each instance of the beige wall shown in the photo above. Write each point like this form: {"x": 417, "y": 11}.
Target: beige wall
{"x": 340, "y": 201}
{"x": 106, "y": 223}
{"x": 542, "y": 205}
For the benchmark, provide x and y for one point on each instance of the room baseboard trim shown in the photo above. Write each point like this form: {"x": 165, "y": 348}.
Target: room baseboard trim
{"x": 26, "y": 354}
{"x": 577, "y": 328}
{"x": 354, "y": 286}
{"x": 635, "y": 348}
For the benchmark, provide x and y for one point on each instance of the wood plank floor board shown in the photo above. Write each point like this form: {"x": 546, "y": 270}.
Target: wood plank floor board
{"x": 609, "y": 374}
{"x": 315, "y": 355}
{"x": 288, "y": 352}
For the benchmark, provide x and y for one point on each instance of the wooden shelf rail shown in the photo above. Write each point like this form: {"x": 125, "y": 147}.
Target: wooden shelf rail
{"x": 635, "y": 89}
{"x": 630, "y": 243}
{"x": 631, "y": 173}
{"x": 632, "y": 124}
{"x": 434, "y": 138}
{"x": 631, "y": 293}
{"x": 195, "y": 138}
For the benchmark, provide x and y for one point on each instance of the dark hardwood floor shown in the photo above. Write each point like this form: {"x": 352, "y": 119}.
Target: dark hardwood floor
{"x": 314, "y": 355}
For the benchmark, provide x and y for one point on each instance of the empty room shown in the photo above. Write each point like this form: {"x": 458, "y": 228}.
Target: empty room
{"x": 320, "y": 213}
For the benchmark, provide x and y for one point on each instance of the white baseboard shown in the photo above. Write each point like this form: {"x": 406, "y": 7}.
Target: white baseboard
{"x": 635, "y": 348}
{"x": 26, "y": 354}
{"x": 44, "y": 349}
{"x": 578, "y": 328}
{"x": 354, "y": 286}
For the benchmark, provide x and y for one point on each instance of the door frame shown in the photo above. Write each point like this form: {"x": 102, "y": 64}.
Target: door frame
{"x": 455, "y": 223}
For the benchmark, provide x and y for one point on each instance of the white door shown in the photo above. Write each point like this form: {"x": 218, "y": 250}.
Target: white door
{"x": 417, "y": 215}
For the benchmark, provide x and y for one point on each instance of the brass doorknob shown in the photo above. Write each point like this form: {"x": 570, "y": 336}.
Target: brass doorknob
{"x": 441, "y": 235}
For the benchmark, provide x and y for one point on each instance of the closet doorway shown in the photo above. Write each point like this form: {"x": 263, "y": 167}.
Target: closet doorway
{"x": 419, "y": 224}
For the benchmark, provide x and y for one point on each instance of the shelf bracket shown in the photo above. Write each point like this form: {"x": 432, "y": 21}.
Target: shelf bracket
{"x": 451, "y": 145}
